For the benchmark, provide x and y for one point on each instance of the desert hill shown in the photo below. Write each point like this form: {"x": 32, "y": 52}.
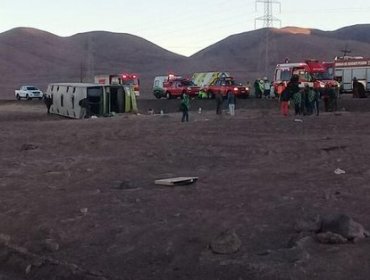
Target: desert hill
{"x": 31, "y": 56}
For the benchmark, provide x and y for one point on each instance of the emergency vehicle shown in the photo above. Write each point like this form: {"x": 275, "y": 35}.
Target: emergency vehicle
{"x": 203, "y": 79}
{"x": 307, "y": 71}
{"x": 120, "y": 79}
{"x": 347, "y": 68}
{"x": 224, "y": 85}
{"x": 173, "y": 86}
{"x": 102, "y": 100}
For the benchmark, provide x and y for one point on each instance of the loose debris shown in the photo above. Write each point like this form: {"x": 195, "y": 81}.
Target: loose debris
{"x": 331, "y": 229}
{"x": 227, "y": 242}
{"x": 176, "y": 181}
{"x": 339, "y": 171}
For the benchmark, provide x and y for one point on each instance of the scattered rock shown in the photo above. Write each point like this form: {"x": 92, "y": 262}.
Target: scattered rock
{"x": 28, "y": 269}
{"x": 27, "y": 147}
{"x": 293, "y": 255}
{"x": 124, "y": 185}
{"x": 227, "y": 242}
{"x": 302, "y": 240}
{"x": 311, "y": 224}
{"x": 331, "y": 238}
{"x": 84, "y": 211}
{"x": 4, "y": 238}
{"x": 305, "y": 242}
{"x": 51, "y": 245}
{"x": 343, "y": 225}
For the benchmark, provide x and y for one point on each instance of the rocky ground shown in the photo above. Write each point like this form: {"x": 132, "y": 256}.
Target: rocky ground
{"x": 78, "y": 199}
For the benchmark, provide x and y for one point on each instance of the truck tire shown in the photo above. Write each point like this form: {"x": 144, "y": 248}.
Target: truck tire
{"x": 18, "y": 97}
{"x": 168, "y": 95}
{"x": 27, "y": 97}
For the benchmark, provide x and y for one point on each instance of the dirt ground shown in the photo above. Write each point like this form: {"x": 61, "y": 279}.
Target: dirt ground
{"x": 78, "y": 199}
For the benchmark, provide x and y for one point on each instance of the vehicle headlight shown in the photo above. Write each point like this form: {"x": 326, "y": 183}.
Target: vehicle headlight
{"x": 189, "y": 88}
{"x": 236, "y": 89}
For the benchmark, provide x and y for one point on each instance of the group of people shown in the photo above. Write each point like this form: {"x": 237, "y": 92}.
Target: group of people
{"x": 306, "y": 101}
{"x": 231, "y": 102}
{"x": 262, "y": 87}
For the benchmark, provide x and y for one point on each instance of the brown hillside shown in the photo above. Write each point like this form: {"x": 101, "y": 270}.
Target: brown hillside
{"x": 31, "y": 56}
{"x": 244, "y": 54}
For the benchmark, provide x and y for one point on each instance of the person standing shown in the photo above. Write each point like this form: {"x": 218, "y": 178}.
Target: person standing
{"x": 185, "y": 106}
{"x": 295, "y": 93}
{"x": 48, "y": 102}
{"x": 355, "y": 88}
{"x": 257, "y": 89}
{"x": 266, "y": 87}
{"x": 231, "y": 102}
{"x": 284, "y": 101}
{"x": 219, "y": 101}
{"x": 317, "y": 96}
{"x": 83, "y": 110}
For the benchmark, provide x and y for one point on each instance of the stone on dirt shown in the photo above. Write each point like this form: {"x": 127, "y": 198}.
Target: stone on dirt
{"x": 124, "y": 185}
{"x": 311, "y": 224}
{"x": 227, "y": 242}
{"x": 343, "y": 225}
{"x": 330, "y": 238}
{"x": 51, "y": 245}
{"x": 27, "y": 147}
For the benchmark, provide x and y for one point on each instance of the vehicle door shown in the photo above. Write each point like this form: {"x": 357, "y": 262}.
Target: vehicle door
{"x": 177, "y": 88}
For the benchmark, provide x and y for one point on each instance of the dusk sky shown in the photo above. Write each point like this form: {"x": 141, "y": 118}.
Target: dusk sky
{"x": 183, "y": 27}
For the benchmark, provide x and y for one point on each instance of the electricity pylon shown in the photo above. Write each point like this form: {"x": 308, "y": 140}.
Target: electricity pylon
{"x": 268, "y": 18}
{"x": 268, "y": 21}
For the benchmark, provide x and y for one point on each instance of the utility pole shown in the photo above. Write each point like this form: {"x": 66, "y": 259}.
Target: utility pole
{"x": 268, "y": 21}
{"x": 346, "y": 51}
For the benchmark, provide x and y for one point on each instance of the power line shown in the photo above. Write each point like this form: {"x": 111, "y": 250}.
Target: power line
{"x": 268, "y": 18}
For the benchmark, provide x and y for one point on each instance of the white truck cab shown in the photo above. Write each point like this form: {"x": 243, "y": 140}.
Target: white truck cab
{"x": 28, "y": 92}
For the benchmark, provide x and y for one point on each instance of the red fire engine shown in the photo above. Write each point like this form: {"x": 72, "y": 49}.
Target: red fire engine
{"x": 347, "y": 68}
{"x": 120, "y": 79}
{"x": 307, "y": 71}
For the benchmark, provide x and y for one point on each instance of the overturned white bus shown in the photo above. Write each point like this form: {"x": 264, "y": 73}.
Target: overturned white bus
{"x": 80, "y": 100}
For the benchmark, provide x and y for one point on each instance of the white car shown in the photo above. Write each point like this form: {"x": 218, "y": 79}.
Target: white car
{"x": 28, "y": 92}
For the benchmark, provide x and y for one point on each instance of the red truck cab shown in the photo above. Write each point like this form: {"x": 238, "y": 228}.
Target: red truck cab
{"x": 176, "y": 87}
{"x": 224, "y": 85}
